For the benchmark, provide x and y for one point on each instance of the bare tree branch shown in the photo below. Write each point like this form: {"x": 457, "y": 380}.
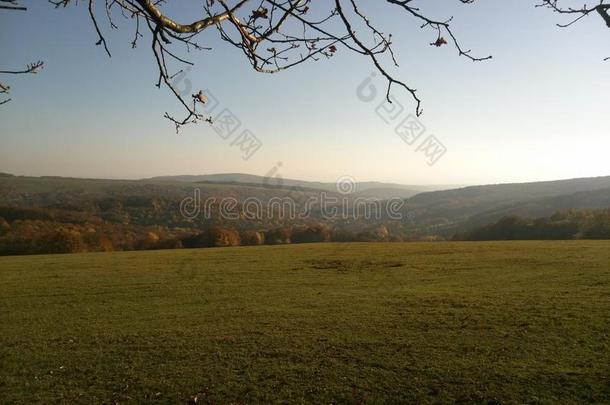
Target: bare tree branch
{"x": 602, "y": 9}
{"x": 13, "y": 5}
{"x": 276, "y": 35}
{"x": 577, "y": 14}
{"x": 273, "y": 35}
{"x": 31, "y": 68}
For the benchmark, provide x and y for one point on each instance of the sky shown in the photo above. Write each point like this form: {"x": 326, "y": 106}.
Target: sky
{"x": 536, "y": 111}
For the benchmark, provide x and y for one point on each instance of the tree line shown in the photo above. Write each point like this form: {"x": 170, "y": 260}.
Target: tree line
{"x": 563, "y": 225}
{"x": 25, "y": 230}
{"x": 45, "y": 235}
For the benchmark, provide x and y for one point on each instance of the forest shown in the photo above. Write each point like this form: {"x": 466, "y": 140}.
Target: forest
{"x": 41, "y": 215}
{"x": 563, "y": 225}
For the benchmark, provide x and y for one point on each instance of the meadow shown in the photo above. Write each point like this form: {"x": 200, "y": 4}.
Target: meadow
{"x": 482, "y": 322}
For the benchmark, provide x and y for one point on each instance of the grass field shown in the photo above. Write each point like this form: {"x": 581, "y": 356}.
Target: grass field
{"x": 506, "y": 322}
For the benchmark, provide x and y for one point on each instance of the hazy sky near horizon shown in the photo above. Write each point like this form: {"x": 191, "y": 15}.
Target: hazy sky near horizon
{"x": 536, "y": 111}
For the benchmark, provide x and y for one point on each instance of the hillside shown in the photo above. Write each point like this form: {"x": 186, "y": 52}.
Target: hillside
{"x": 540, "y": 207}
{"x": 55, "y": 191}
{"x": 55, "y": 214}
{"x": 366, "y": 189}
{"x": 449, "y": 209}
{"x": 66, "y": 215}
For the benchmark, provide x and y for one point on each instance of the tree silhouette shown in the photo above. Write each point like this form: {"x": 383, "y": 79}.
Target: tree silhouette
{"x": 273, "y": 35}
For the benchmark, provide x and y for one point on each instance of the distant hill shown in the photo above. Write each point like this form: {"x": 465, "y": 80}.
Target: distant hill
{"x": 562, "y": 225}
{"x": 369, "y": 189}
{"x": 542, "y": 207}
{"x": 477, "y": 205}
{"x": 441, "y": 212}
{"x": 26, "y": 191}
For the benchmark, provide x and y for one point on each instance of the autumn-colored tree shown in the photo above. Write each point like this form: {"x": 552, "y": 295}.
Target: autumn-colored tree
{"x": 223, "y": 237}
{"x": 310, "y": 234}
{"x": 105, "y": 244}
{"x": 377, "y": 234}
{"x": 4, "y": 227}
{"x": 278, "y": 236}
{"x": 252, "y": 238}
{"x": 97, "y": 242}
{"x": 64, "y": 240}
{"x": 149, "y": 241}
{"x": 342, "y": 235}
{"x": 169, "y": 243}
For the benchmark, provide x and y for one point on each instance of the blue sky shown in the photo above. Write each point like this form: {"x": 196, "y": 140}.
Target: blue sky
{"x": 536, "y": 111}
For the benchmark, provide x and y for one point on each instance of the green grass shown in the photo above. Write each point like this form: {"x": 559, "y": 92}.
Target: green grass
{"x": 507, "y": 322}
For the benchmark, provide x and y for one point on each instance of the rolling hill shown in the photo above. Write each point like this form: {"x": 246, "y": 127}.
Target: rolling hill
{"x": 156, "y": 201}
{"x": 369, "y": 189}
{"x": 469, "y": 206}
